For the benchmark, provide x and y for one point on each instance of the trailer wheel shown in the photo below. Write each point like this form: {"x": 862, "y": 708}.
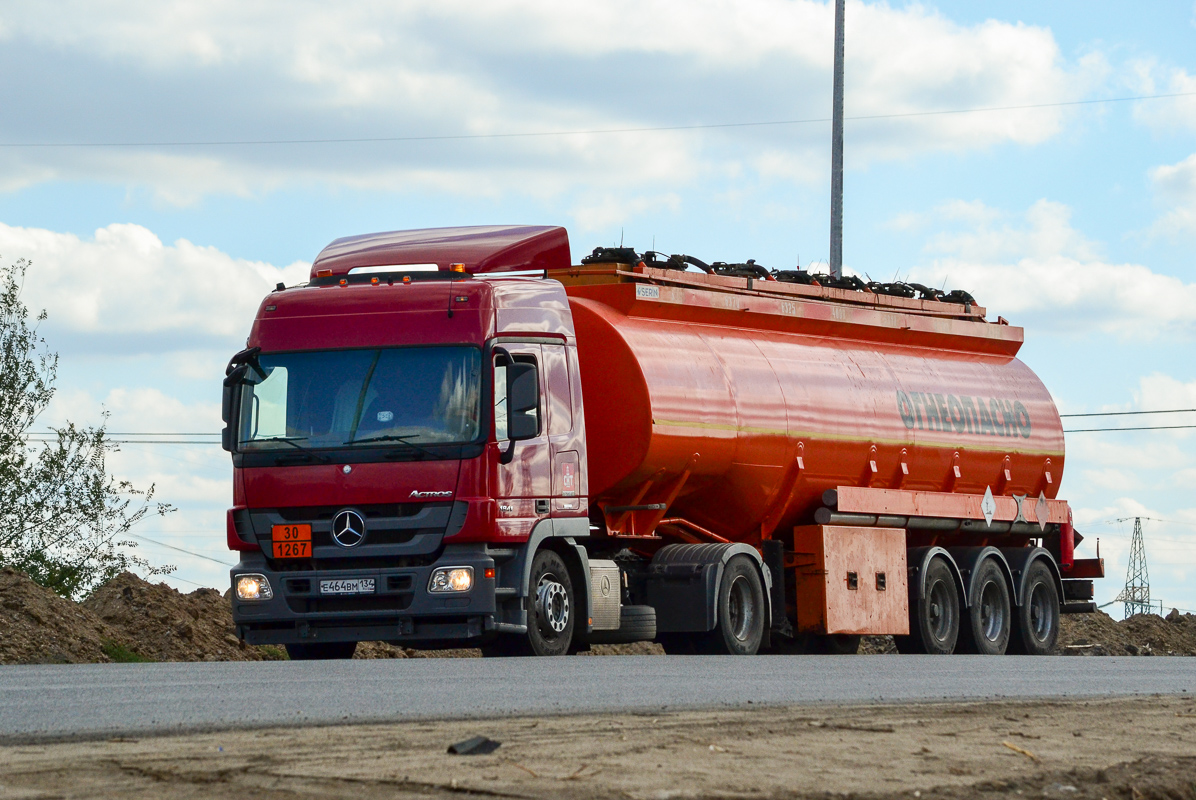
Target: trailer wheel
{"x": 1036, "y": 628}
{"x": 321, "y": 651}
{"x": 934, "y": 616}
{"x": 740, "y": 610}
{"x": 987, "y": 623}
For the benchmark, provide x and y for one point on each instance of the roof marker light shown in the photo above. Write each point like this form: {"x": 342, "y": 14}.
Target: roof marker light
{"x": 344, "y": 281}
{"x": 374, "y": 281}
{"x": 406, "y": 279}
{"x": 323, "y": 273}
{"x": 457, "y": 267}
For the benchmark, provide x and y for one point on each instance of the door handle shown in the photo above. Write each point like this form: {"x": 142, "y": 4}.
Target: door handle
{"x": 542, "y": 507}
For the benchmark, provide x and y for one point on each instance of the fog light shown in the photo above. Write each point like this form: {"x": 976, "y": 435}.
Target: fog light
{"x": 451, "y": 579}
{"x": 253, "y": 587}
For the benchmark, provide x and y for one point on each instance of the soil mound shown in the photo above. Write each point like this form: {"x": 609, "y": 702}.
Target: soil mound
{"x": 1099, "y": 634}
{"x": 162, "y": 624}
{"x": 39, "y": 627}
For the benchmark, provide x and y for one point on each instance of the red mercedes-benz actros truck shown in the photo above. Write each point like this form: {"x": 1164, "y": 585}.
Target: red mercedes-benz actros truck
{"x": 456, "y": 437}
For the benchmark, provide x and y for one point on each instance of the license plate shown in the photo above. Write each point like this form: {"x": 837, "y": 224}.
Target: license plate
{"x": 350, "y": 586}
{"x": 291, "y": 541}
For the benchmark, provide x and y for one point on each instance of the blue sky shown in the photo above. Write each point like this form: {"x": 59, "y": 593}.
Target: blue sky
{"x": 1077, "y": 222}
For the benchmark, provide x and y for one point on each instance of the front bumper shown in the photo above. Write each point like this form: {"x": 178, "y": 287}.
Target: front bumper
{"x": 400, "y": 611}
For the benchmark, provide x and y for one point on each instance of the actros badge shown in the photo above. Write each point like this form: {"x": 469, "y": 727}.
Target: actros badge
{"x": 348, "y": 528}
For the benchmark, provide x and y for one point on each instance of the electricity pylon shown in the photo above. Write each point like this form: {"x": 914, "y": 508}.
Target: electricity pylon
{"x": 1137, "y": 581}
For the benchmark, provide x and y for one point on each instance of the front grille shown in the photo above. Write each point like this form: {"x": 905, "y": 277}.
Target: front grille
{"x": 313, "y": 513}
{"x": 324, "y": 538}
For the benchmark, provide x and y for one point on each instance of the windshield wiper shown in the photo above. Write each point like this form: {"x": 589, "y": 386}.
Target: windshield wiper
{"x": 293, "y": 441}
{"x": 391, "y": 437}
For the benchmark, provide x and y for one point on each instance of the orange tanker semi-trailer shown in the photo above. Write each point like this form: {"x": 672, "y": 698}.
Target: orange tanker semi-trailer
{"x": 432, "y": 447}
{"x": 894, "y": 460}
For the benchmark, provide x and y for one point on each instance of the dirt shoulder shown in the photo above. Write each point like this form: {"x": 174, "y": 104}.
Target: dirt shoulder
{"x": 1131, "y": 748}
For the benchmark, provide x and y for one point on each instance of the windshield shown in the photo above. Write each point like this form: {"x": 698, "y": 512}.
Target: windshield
{"x": 410, "y": 395}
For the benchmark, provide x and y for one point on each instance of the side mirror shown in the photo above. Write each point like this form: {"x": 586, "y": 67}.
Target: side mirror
{"x": 231, "y": 384}
{"x": 523, "y": 405}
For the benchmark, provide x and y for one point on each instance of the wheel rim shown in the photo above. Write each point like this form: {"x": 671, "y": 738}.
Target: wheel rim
{"x": 938, "y": 611}
{"x": 741, "y": 611}
{"x": 1040, "y": 613}
{"x": 992, "y": 612}
{"x": 552, "y": 606}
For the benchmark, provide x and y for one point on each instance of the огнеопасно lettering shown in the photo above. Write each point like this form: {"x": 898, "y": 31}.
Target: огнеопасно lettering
{"x": 963, "y": 414}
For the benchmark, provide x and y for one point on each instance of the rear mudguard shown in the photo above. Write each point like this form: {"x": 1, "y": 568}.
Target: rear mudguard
{"x": 683, "y": 584}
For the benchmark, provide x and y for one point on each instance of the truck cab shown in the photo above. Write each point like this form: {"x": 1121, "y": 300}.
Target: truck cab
{"x": 400, "y": 431}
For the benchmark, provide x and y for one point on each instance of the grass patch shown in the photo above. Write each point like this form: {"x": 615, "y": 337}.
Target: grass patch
{"x": 123, "y": 655}
{"x": 272, "y": 652}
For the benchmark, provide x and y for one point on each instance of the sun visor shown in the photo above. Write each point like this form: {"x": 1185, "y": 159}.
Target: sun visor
{"x": 480, "y": 248}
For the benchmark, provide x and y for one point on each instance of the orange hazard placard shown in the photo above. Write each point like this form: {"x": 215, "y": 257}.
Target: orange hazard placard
{"x": 291, "y": 541}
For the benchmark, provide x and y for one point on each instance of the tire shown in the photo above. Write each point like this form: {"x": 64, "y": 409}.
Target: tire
{"x": 933, "y": 615}
{"x": 1036, "y": 622}
{"x": 987, "y": 623}
{"x": 551, "y": 613}
{"x": 321, "y": 651}
{"x": 636, "y": 624}
{"x": 740, "y": 611}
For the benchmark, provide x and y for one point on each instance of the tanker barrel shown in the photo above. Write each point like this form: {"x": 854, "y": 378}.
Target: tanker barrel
{"x": 830, "y": 498}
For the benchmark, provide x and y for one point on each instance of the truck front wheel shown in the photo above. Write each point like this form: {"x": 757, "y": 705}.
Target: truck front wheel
{"x": 551, "y": 616}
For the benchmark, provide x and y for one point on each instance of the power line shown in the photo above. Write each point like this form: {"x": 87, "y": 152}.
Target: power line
{"x": 590, "y": 132}
{"x": 1115, "y": 413}
{"x": 181, "y": 550}
{"x": 1143, "y": 428}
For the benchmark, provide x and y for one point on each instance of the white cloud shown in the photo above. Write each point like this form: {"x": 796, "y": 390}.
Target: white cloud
{"x": 1159, "y": 391}
{"x": 1171, "y": 113}
{"x": 1035, "y": 267}
{"x": 1175, "y": 185}
{"x": 125, "y": 284}
{"x": 175, "y": 71}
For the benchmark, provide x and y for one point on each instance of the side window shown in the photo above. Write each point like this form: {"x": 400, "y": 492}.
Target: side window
{"x": 500, "y": 401}
{"x": 560, "y": 412}
{"x": 264, "y": 406}
{"x": 528, "y": 420}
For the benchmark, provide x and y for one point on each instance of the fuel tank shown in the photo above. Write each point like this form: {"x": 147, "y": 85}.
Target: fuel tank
{"x": 737, "y": 404}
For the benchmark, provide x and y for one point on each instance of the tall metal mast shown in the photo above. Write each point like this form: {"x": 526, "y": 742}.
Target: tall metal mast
{"x": 837, "y": 150}
{"x": 1137, "y": 580}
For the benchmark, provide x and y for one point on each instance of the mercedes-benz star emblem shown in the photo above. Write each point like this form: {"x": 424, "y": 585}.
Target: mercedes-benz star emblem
{"x": 348, "y": 528}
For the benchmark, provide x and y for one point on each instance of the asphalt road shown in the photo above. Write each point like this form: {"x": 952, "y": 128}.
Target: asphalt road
{"x": 94, "y": 700}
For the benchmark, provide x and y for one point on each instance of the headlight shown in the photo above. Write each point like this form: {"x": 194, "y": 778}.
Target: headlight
{"x": 253, "y": 587}
{"x": 451, "y": 579}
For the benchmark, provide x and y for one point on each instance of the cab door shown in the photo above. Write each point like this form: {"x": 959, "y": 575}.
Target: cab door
{"x": 523, "y": 487}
